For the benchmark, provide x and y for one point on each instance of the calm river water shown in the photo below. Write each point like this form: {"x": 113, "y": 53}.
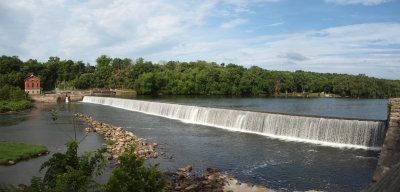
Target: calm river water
{"x": 280, "y": 165}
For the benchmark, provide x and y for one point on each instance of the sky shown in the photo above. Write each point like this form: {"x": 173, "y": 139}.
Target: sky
{"x": 328, "y": 36}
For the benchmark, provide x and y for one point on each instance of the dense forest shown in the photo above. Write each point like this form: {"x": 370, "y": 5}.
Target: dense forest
{"x": 189, "y": 78}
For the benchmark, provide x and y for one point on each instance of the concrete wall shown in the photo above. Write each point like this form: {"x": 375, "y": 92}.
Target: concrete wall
{"x": 47, "y": 98}
{"x": 72, "y": 95}
{"x": 390, "y": 154}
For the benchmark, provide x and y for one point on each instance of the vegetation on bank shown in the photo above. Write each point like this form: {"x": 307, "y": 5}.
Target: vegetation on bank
{"x": 13, "y": 99}
{"x": 9, "y": 105}
{"x": 191, "y": 78}
{"x": 11, "y": 151}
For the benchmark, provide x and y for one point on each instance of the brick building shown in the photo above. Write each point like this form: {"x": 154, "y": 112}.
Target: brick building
{"x": 32, "y": 85}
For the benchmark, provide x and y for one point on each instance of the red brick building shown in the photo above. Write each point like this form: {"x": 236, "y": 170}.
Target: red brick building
{"x": 32, "y": 85}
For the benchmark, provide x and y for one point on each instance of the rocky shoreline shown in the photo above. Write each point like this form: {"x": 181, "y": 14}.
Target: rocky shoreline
{"x": 117, "y": 139}
{"x": 211, "y": 181}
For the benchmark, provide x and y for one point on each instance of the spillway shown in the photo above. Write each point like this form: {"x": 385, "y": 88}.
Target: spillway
{"x": 337, "y": 132}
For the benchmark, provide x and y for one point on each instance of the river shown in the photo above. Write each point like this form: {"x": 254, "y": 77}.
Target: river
{"x": 280, "y": 165}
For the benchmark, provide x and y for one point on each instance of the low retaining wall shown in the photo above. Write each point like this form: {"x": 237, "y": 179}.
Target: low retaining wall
{"x": 72, "y": 95}
{"x": 47, "y": 98}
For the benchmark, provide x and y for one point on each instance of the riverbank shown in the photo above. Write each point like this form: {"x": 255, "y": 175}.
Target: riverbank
{"x": 14, "y": 106}
{"x": 12, "y": 152}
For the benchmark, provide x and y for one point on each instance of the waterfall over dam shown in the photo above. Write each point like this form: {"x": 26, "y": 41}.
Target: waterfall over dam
{"x": 337, "y": 132}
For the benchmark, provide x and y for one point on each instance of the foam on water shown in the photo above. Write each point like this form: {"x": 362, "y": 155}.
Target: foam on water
{"x": 335, "y": 132}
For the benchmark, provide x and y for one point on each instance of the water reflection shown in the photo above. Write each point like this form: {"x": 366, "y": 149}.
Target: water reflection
{"x": 12, "y": 119}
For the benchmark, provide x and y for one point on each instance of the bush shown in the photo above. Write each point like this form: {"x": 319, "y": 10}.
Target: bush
{"x": 131, "y": 175}
{"x": 9, "y": 105}
{"x": 68, "y": 172}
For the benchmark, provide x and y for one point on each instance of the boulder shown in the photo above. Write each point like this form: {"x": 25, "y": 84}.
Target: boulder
{"x": 191, "y": 187}
{"x": 188, "y": 168}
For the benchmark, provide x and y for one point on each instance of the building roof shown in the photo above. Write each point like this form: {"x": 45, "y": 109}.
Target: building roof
{"x": 31, "y": 77}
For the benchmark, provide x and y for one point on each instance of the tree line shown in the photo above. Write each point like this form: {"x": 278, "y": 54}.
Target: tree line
{"x": 190, "y": 78}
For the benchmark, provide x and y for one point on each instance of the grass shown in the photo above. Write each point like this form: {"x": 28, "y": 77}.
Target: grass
{"x": 10, "y": 105}
{"x": 18, "y": 151}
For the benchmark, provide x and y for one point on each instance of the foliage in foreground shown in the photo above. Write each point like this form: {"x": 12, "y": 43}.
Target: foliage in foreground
{"x": 70, "y": 172}
{"x": 17, "y": 151}
{"x": 131, "y": 175}
{"x": 13, "y": 99}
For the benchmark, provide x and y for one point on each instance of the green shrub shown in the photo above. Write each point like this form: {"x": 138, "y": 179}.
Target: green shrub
{"x": 131, "y": 175}
{"x": 68, "y": 172}
{"x": 8, "y": 92}
{"x": 11, "y": 105}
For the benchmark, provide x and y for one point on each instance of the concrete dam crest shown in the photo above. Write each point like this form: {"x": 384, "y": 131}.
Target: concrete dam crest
{"x": 331, "y": 131}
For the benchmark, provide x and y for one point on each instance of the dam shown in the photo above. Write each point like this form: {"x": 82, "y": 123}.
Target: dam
{"x": 331, "y": 131}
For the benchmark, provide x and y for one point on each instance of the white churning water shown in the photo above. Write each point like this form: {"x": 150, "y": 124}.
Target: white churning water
{"x": 336, "y": 132}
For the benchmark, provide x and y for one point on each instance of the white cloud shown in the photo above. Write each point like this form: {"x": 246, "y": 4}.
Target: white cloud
{"x": 85, "y": 29}
{"x": 275, "y": 24}
{"x": 239, "y": 6}
{"x": 233, "y": 23}
{"x": 371, "y": 49}
{"x": 364, "y": 2}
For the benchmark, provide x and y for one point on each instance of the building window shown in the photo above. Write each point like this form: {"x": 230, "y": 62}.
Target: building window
{"x": 33, "y": 85}
{"x": 37, "y": 84}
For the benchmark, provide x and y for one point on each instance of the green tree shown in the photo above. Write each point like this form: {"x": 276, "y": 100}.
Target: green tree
{"x": 303, "y": 80}
{"x": 103, "y": 71}
{"x": 84, "y": 81}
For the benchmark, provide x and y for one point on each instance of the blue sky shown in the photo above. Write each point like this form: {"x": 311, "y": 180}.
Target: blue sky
{"x": 334, "y": 36}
